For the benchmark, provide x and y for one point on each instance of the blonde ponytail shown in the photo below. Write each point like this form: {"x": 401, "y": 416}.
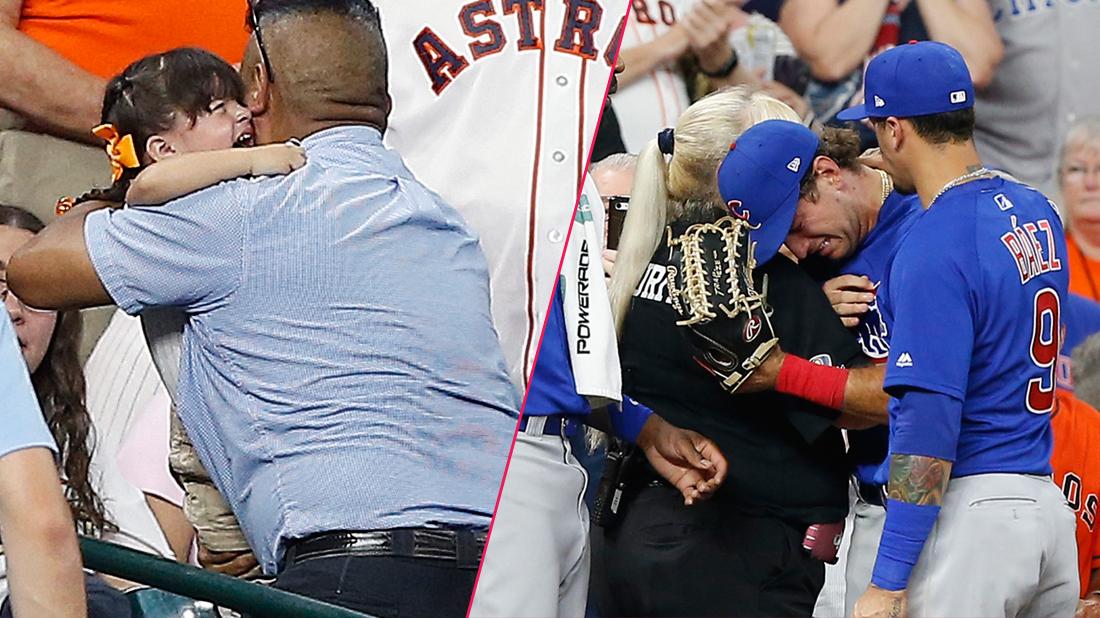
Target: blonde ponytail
{"x": 702, "y": 137}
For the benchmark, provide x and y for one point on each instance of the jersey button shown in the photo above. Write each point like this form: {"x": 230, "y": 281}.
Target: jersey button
{"x": 555, "y": 236}
{"x": 558, "y": 156}
{"x": 562, "y": 80}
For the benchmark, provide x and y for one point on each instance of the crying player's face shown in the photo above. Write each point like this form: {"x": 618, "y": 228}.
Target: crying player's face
{"x": 828, "y": 227}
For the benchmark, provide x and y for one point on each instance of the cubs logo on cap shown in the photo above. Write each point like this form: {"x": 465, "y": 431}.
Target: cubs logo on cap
{"x": 917, "y": 79}
{"x": 760, "y": 179}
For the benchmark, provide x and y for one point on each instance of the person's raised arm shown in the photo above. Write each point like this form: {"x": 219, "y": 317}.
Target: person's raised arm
{"x": 53, "y": 270}
{"x": 641, "y": 59}
{"x": 57, "y": 96}
{"x": 43, "y": 559}
{"x": 185, "y": 173}
{"x": 966, "y": 25}
{"x": 834, "y": 39}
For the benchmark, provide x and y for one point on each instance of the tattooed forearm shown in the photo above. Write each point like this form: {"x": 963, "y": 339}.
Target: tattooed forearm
{"x": 917, "y": 479}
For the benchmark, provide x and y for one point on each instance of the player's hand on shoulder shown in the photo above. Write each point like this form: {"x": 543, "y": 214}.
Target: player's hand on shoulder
{"x": 879, "y": 603}
{"x": 851, "y": 297}
{"x": 275, "y": 159}
{"x": 692, "y": 463}
{"x": 872, "y": 157}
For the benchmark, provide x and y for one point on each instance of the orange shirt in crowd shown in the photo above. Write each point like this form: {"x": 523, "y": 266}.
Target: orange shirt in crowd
{"x": 104, "y": 36}
{"x": 1084, "y": 273}
{"x": 1076, "y": 427}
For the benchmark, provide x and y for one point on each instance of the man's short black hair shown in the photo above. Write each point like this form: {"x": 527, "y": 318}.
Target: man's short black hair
{"x": 947, "y": 127}
{"x": 358, "y": 9}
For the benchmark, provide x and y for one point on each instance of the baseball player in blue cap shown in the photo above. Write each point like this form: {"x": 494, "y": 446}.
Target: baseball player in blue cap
{"x": 824, "y": 203}
{"x": 973, "y": 299}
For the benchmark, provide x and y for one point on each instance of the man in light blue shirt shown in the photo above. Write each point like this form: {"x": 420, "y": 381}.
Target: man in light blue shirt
{"x": 341, "y": 378}
{"x": 39, "y": 538}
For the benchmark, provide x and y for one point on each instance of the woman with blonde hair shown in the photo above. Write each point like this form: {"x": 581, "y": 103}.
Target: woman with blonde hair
{"x": 679, "y": 165}
{"x": 740, "y": 553}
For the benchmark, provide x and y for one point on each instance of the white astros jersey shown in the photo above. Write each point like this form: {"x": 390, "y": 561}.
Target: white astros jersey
{"x": 657, "y": 99}
{"x": 495, "y": 103}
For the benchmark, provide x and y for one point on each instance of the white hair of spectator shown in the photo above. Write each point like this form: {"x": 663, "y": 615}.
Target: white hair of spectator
{"x": 618, "y": 162}
{"x": 1086, "y": 371}
{"x": 662, "y": 184}
{"x": 1085, "y": 131}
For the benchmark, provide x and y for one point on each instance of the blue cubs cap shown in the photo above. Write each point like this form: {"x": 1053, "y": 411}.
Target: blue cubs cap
{"x": 917, "y": 79}
{"x": 760, "y": 177}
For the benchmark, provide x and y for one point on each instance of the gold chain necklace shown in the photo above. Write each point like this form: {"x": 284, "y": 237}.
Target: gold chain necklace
{"x": 887, "y": 185}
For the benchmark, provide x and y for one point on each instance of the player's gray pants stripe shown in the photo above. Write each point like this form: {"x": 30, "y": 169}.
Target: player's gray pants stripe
{"x": 537, "y": 561}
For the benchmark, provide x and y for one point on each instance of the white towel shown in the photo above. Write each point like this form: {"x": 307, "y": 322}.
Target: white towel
{"x": 590, "y": 329}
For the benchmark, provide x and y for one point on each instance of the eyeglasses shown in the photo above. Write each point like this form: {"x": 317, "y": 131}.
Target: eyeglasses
{"x": 254, "y": 26}
{"x": 1077, "y": 172}
{"x": 5, "y": 293}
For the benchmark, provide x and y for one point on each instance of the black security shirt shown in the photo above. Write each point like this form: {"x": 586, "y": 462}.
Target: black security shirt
{"x": 786, "y": 458}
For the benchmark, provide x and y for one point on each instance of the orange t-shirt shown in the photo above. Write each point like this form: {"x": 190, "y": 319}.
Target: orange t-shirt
{"x": 1076, "y": 427}
{"x": 104, "y": 36}
{"x": 1084, "y": 273}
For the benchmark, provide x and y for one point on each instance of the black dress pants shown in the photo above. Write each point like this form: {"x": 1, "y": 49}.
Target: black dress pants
{"x": 384, "y": 586}
{"x": 666, "y": 559}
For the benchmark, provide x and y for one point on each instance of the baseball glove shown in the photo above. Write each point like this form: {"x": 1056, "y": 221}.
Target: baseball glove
{"x": 712, "y": 288}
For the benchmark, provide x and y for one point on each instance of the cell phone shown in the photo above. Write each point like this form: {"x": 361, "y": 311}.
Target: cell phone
{"x": 616, "y": 214}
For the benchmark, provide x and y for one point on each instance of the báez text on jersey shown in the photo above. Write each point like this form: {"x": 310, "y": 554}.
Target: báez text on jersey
{"x": 1032, "y": 247}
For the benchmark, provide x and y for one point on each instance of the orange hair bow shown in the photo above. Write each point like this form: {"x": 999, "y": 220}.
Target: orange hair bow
{"x": 119, "y": 149}
{"x": 64, "y": 205}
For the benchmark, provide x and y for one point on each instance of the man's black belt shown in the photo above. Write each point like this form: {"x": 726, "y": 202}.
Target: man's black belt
{"x": 553, "y": 425}
{"x": 463, "y": 545}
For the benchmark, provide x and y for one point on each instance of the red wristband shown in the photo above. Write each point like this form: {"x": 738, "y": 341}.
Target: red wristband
{"x": 821, "y": 384}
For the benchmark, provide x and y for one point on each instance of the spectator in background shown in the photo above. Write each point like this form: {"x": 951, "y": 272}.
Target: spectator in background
{"x": 48, "y": 341}
{"x": 1086, "y": 363}
{"x": 653, "y": 90}
{"x": 56, "y": 61}
{"x": 1079, "y": 176}
{"x": 41, "y": 550}
{"x": 837, "y": 37}
{"x": 613, "y": 177}
{"x": 1045, "y": 82}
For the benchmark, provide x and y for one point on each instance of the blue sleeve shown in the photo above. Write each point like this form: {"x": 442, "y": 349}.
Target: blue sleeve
{"x": 932, "y": 300}
{"x": 925, "y": 423}
{"x": 23, "y": 425}
{"x": 188, "y": 253}
{"x": 628, "y": 418}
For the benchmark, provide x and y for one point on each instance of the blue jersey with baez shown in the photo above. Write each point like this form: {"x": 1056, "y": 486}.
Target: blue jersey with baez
{"x": 974, "y": 303}
{"x": 867, "y": 447}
